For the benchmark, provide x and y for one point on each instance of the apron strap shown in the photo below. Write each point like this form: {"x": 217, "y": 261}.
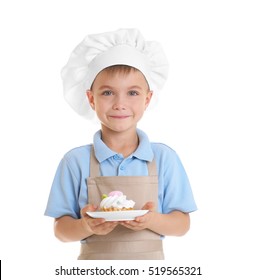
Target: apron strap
{"x": 152, "y": 169}
{"x": 95, "y": 166}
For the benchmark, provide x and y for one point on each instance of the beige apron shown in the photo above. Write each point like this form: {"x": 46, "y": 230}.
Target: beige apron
{"x": 123, "y": 243}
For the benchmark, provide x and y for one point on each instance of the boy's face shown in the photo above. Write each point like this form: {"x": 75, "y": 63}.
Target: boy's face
{"x": 119, "y": 99}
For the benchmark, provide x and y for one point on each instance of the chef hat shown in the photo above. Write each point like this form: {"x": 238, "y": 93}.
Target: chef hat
{"x": 98, "y": 51}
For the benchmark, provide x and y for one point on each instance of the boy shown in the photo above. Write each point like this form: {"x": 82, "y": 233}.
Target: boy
{"x": 119, "y": 82}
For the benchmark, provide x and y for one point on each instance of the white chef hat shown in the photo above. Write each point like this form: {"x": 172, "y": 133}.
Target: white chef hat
{"x": 98, "y": 51}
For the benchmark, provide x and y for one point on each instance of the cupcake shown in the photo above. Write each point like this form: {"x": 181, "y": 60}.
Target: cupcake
{"x": 116, "y": 201}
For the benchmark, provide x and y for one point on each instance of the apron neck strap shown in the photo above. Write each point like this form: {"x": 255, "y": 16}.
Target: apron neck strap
{"x": 95, "y": 166}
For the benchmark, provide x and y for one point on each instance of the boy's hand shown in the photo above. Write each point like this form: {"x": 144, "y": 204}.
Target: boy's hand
{"x": 141, "y": 222}
{"x": 97, "y": 226}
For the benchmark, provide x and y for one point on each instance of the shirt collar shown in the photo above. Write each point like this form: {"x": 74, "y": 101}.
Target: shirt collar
{"x": 143, "y": 152}
{"x": 102, "y": 151}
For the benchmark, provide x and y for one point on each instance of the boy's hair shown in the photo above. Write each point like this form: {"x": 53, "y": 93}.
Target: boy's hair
{"x": 120, "y": 69}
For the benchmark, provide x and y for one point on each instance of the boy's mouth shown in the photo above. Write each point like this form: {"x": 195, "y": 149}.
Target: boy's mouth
{"x": 119, "y": 116}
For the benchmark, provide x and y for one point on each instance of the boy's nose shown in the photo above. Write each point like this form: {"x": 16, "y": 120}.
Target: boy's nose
{"x": 119, "y": 103}
{"x": 118, "y": 107}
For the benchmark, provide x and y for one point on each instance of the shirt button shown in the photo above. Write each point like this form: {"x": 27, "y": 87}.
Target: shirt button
{"x": 122, "y": 167}
{"x": 116, "y": 156}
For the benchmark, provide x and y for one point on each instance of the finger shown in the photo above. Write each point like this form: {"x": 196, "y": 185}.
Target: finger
{"x": 140, "y": 219}
{"x": 134, "y": 227}
{"x": 130, "y": 224}
{"x": 126, "y": 224}
{"x": 101, "y": 224}
{"x": 88, "y": 208}
{"x": 149, "y": 206}
{"x": 96, "y": 222}
{"x": 104, "y": 228}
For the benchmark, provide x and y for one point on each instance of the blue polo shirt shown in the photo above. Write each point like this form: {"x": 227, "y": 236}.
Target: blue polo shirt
{"x": 69, "y": 190}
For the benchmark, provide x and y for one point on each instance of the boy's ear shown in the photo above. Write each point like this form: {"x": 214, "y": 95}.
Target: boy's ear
{"x": 148, "y": 98}
{"x": 90, "y": 98}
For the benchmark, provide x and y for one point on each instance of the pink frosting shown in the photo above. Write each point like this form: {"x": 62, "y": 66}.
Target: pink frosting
{"x": 117, "y": 193}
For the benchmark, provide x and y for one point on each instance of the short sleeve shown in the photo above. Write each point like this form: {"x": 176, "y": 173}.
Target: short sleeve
{"x": 63, "y": 197}
{"x": 177, "y": 193}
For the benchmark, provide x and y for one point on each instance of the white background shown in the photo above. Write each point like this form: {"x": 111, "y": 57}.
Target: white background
{"x": 206, "y": 113}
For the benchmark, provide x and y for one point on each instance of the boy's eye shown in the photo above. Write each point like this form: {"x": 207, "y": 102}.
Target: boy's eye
{"x": 133, "y": 93}
{"x": 107, "y": 92}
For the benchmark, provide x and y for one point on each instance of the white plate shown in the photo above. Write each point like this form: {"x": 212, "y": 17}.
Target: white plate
{"x": 128, "y": 215}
